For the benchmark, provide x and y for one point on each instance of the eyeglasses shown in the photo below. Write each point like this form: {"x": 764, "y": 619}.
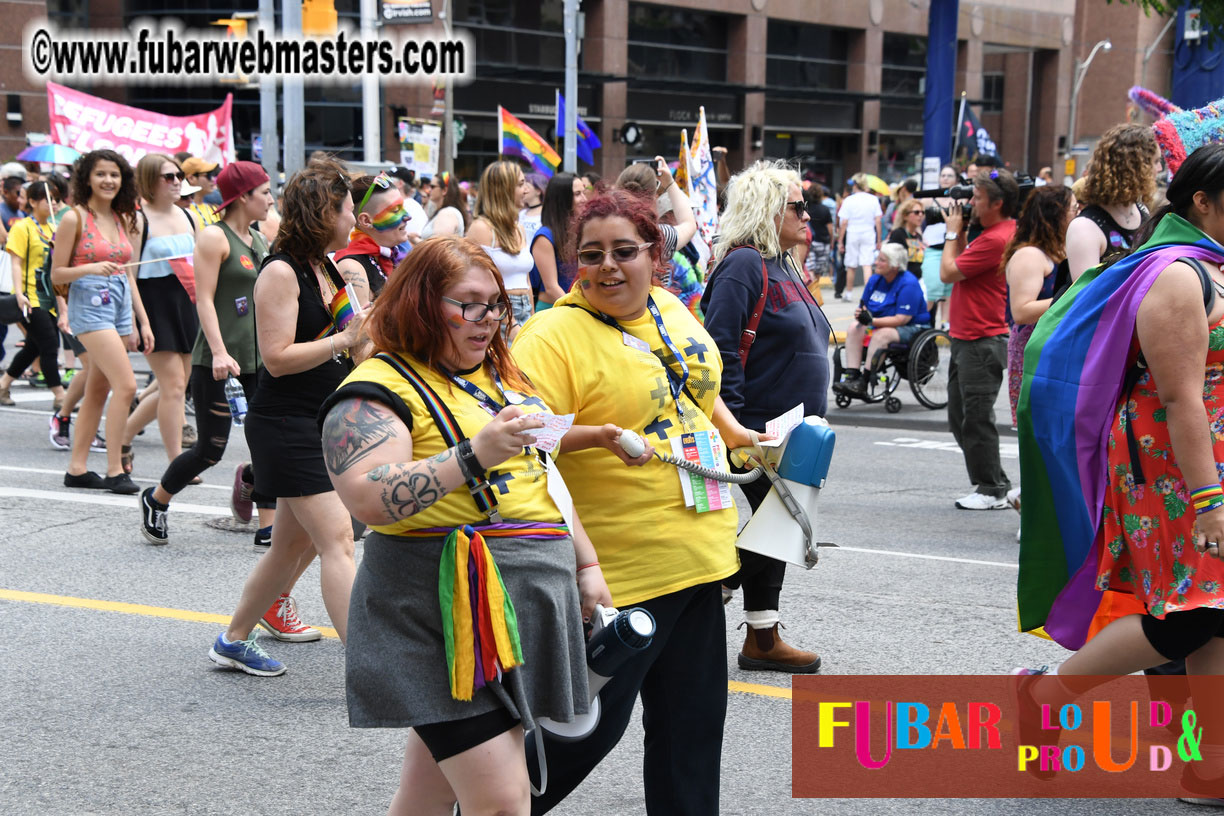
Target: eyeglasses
{"x": 476, "y": 312}
{"x": 173, "y": 176}
{"x": 381, "y": 181}
{"x": 798, "y": 207}
{"x": 620, "y": 254}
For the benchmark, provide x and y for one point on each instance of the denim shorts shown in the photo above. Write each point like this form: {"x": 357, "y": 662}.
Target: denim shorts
{"x": 909, "y": 332}
{"x": 523, "y": 307}
{"x": 100, "y": 302}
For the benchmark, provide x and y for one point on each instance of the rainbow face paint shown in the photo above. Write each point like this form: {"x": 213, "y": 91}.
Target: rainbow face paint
{"x": 454, "y": 322}
{"x": 390, "y": 217}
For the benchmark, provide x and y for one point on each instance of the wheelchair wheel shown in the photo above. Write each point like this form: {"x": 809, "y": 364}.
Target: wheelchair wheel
{"x": 842, "y": 401}
{"x": 884, "y": 383}
{"x": 892, "y": 405}
{"x": 930, "y": 359}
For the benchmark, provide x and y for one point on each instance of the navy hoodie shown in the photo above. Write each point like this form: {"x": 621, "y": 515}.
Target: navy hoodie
{"x": 789, "y": 362}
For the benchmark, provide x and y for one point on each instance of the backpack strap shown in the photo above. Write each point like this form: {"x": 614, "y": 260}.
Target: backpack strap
{"x": 1135, "y": 372}
{"x": 482, "y": 492}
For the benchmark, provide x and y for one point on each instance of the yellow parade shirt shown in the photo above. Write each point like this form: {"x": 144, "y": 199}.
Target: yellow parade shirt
{"x": 23, "y": 241}
{"x": 519, "y": 482}
{"x": 649, "y": 543}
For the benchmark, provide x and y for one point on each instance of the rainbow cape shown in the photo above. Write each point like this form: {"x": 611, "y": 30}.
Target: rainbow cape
{"x": 516, "y": 139}
{"x": 1074, "y": 365}
{"x": 478, "y": 620}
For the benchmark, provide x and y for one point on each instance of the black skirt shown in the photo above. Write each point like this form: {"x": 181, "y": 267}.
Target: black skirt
{"x": 172, "y": 315}
{"x": 286, "y": 456}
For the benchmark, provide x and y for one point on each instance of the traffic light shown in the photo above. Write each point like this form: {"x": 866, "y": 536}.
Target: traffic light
{"x": 319, "y": 17}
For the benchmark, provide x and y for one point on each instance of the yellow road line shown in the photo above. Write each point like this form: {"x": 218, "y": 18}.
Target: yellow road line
{"x": 127, "y": 608}
{"x": 223, "y": 620}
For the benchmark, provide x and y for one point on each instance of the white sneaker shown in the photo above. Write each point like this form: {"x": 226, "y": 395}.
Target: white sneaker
{"x": 980, "y": 501}
{"x": 848, "y": 297}
{"x": 1013, "y": 498}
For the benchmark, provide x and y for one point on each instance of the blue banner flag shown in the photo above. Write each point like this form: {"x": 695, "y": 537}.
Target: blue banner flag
{"x": 587, "y": 140}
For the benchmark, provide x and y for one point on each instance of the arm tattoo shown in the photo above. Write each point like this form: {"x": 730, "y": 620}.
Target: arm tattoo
{"x": 407, "y": 489}
{"x": 352, "y": 430}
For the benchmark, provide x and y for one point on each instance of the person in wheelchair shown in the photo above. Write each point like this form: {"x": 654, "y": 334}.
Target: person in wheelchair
{"x": 895, "y": 309}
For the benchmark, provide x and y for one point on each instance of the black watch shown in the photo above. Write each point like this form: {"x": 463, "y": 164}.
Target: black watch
{"x": 471, "y": 464}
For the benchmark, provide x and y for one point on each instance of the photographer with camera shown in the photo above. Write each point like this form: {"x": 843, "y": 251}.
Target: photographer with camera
{"x": 979, "y": 332}
{"x": 893, "y": 306}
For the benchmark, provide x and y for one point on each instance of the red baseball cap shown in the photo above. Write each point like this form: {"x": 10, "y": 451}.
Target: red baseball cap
{"x": 238, "y": 178}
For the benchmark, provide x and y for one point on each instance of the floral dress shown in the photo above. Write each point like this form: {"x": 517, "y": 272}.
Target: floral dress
{"x": 1148, "y": 529}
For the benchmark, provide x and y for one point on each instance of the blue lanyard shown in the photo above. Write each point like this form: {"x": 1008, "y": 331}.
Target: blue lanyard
{"x": 491, "y": 405}
{"x": 676, "y": 381}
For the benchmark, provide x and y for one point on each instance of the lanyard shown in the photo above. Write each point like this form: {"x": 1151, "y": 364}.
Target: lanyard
{"x": 676, "y": 382}
{"x": 477, "y": 393}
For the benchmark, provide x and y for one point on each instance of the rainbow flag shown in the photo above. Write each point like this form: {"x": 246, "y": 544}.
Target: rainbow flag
{"x": 1074, "y": 365}
{"x": 184, "y": 270}
{"x": 344, "y": 307}
{"x": 516, "y": 139}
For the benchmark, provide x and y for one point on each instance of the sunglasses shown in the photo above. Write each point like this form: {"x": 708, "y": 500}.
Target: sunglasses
{"x": 620, "y": 254}
{"x": 381, "y": 181}
{"x": 173, "y": 176}
{"x": 797, "y": 206}
{"x": 476, "y": 312}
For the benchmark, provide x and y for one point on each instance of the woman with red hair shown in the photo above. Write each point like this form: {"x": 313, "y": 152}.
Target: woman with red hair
{"x": 656, "y": 552}
{"x": 429, "y": 443}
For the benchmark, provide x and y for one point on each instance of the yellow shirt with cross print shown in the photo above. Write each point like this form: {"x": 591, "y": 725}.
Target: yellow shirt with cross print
{"x": 519, "y": 482}
{"x": 649, "y": 544}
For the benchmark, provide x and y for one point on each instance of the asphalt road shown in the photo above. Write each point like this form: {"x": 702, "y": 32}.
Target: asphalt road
{"x": 115, "y": 709}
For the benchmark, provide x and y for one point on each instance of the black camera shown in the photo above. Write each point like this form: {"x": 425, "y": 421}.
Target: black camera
{"x": 963, "y": 192}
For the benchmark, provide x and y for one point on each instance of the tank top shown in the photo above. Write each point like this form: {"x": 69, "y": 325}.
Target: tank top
{"x": 1047, "y": 291}
{"x": 234, "y": 301}
{"x": 94, "y": 247}
{"x": 301, "y": 394}
{"x": 428, "y": 230}
{"x": 1117, "y": 238}
{"x": 515, "y": 269}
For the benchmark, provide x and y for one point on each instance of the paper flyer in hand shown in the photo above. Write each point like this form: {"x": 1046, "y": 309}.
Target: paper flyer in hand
{"x": 555, "y": 427}
{"x": 783, "y": 425}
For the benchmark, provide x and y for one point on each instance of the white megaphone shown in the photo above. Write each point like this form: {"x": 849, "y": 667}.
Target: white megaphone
{"x": 784, "y": 526}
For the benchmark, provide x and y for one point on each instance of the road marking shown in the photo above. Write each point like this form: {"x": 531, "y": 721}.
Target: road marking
{"x": 224, "y": 620}
{"x": 52, "y": 472}
{"x": 128, "y": 608}
{"x": 106, "y": 499}
{"x": 1009, "y": 450}
{"x": 926, "y": 557}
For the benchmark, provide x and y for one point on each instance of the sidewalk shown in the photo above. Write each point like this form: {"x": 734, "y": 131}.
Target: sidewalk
{"x": 913, "y": 416}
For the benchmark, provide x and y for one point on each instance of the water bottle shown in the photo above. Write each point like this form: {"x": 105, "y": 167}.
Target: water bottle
{"x": 236, "y": 398}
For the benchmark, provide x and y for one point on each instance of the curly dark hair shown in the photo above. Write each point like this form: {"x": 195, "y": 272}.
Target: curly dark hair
{"x": 124, "y": 203}
{"x": 1120, "y": 171}
{"x": 313, "y": 198}
{"x": 1041, "y": 223}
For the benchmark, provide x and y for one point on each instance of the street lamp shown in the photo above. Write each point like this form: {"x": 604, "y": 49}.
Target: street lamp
{"x": 1081, "y": 68}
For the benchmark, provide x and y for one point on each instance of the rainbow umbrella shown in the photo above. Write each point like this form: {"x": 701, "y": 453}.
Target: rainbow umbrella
{"x": 49, "y": 154}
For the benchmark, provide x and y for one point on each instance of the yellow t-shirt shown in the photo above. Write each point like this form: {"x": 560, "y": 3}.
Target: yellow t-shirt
{"x": 649, "y": 543}
{"x": 519, "y": 482}
{"x": 24, "y": 243}
{"x": 205, "y": 214}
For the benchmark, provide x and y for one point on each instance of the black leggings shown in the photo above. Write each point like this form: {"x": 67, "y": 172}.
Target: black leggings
{"x": 42, "y": 342}
{"x": 212, "y": 428}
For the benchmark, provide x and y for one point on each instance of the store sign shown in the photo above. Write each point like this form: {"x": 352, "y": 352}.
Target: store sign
{"x": 682, "y": 108}
{"x": 407, "y": 11}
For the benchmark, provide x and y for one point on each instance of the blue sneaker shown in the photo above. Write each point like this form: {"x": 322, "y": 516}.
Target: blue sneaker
{"x": 244, "y": 655}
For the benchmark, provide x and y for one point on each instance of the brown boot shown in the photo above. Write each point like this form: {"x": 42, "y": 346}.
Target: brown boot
{"x": 764, "y": 650}
{"x": 6, "y": 398}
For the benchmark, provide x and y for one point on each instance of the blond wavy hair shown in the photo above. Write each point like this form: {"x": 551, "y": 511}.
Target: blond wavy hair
{"x": 497, "y": 203}
{"x": 1121, "y": 167}
{"x": 756, "y": 198}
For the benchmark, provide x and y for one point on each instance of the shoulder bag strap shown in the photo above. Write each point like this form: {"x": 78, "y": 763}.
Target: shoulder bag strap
{"x": 482, "y": 492}
{"x": 748, "y": 337}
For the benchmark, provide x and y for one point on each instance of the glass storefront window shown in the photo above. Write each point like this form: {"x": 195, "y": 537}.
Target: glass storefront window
{"x": 904, "y": 64}
{"x": 900, "y": 157}
{"x": 806, "y": 56}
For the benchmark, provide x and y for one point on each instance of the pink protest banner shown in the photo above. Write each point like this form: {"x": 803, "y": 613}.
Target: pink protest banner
{"x": 85, "y": 123}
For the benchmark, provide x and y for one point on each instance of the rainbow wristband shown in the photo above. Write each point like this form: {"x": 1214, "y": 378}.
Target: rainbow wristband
{"x": 1207, "y": 498}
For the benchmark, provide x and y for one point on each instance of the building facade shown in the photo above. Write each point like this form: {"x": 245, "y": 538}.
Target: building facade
{"x": 835, "y": 86}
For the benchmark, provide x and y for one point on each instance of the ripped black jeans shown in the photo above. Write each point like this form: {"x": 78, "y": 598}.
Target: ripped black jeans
{"x": 212, "y": 428}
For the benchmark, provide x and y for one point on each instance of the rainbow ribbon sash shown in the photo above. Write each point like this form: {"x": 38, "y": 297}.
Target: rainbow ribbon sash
{"x": 478, "y": 620}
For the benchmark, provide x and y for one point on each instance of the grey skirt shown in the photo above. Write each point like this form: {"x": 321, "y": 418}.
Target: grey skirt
{"x": 395, "y": 657}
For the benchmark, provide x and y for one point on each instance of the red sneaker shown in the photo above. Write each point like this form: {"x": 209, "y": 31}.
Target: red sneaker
{"x": 282, "y": 621}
